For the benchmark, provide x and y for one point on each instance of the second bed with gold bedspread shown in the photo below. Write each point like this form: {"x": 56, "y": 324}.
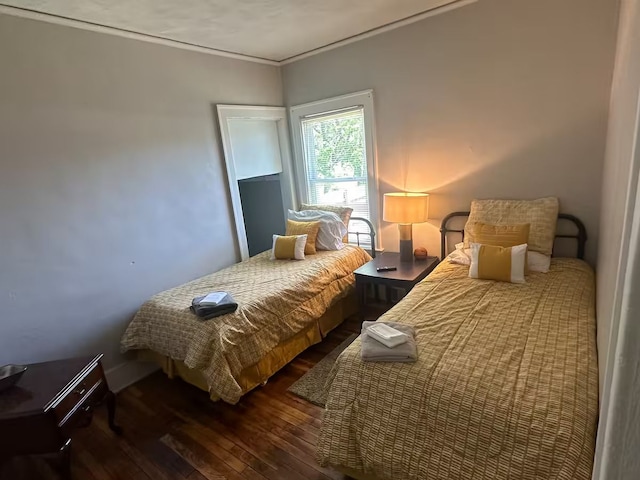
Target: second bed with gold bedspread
{"x": 282, "y": 305}
{"x": 505, "y": 385}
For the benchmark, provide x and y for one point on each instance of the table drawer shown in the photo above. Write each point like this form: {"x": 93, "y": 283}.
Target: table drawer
{"x": 78, "y": 393}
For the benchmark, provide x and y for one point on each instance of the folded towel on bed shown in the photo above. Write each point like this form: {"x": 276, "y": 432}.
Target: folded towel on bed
{"x": 207, "y": 310}
{"x": 374, "y": 351}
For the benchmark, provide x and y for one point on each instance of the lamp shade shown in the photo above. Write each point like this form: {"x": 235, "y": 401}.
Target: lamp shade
{"x": 406, "y": 207}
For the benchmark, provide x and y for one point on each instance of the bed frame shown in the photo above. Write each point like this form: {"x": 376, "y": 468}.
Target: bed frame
{"x": 580, "y": 235}
{"x": 371, "y": 235}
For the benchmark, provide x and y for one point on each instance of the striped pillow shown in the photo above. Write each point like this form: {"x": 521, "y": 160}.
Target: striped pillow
{"x": 504, "y": 264}
{"x": 499, "y": 235}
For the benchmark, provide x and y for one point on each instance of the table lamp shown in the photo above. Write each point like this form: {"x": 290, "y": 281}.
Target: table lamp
{"x": 405, "y": 209}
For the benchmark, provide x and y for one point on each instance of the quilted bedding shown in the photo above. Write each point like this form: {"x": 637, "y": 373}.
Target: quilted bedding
{"x": 277, "y": 299}
{"x": 505, "y": 386}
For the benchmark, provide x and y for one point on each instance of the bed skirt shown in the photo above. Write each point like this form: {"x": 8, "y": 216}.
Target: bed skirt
{"x": 280, "y": 356}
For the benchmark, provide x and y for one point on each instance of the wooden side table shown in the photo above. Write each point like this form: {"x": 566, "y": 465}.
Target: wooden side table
{"x": 407, "y": 275}
{"x": 38, "y": 414}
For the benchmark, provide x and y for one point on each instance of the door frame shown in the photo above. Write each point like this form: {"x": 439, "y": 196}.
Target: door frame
{"x": 252, "y": 112}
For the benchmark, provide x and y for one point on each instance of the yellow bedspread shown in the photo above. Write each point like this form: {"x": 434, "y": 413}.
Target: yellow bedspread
{"x": 505, "y": 387}
{"x": 276, "y": 300}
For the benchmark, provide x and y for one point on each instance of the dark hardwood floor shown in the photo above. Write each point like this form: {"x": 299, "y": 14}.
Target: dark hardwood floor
{"x": 173, "y": 431}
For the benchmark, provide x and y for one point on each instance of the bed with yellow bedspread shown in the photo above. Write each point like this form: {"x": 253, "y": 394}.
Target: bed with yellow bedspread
{"x": 505, "y": 386}
{"x": 280, "y": 302}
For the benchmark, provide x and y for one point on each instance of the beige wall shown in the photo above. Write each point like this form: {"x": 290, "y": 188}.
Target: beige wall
{"x": 619, "y": 265}
{"x": 501, "y": 98}
{"x": 112, "y": 181}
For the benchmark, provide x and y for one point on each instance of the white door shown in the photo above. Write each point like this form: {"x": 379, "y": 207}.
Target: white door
{"x": 256, "y": 143}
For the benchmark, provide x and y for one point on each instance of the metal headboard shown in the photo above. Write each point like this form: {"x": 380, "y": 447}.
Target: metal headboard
{"x": 371, "y": 235}
{"x": 580, "y": 236}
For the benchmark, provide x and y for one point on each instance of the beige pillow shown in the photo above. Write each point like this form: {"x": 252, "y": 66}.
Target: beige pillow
{"x": 343, "y": 212}
{"x": 499, "y": 235}
{"x": 504, "y": 264}
{"x": 309, "y": 228}
{"x": 540, "y": 214}
{"x": 288, "y": 247}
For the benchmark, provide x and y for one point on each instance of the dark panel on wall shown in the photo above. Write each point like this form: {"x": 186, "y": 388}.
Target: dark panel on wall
{"x": 263, "y": 211}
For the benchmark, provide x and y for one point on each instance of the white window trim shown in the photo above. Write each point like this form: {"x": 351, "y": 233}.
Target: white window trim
{"x": 365, "y": 98}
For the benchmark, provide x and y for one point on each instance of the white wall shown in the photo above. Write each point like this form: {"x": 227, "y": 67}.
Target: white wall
{"x": 618, "y": 286}
{"x": 501, "y": 98}
{"x": 618, "y": 175}
{"x": 112, "y": 181}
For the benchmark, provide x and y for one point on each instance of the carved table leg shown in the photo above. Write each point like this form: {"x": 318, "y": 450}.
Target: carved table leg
{"x": 111, "y": 412}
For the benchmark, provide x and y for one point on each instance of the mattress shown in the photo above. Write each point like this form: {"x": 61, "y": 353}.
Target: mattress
{"x": 505, "y": 386}
{"x": 277, "y": 300}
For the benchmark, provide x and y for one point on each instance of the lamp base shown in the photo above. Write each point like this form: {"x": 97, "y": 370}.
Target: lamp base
{"x": 406, "y": 242}
{"x": 406, "y": 250}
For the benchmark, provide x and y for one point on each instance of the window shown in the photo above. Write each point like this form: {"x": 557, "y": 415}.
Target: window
{"x": 334, "y": 153}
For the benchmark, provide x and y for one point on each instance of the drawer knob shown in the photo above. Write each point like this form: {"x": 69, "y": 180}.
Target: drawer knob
{"x": 80, "y": 391}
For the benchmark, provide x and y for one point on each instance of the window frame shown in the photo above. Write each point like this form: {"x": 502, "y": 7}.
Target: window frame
{"x": 297, "y": 113}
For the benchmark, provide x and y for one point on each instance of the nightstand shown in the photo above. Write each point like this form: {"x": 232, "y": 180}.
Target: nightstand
{"x": 407, "y": 275}
{"x": 38, "y": 414}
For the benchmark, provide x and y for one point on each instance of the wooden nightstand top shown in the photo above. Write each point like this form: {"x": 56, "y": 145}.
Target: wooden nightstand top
{"x": 42, "y": 384}
{"x": 410, "y": 272}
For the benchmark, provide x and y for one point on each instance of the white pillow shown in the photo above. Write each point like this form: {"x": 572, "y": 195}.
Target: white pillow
{"x": 298, "y": 250}
{"x": 459, "y": 257}
{"x": 332, "y": 229}
{"x": 538, "y": 262}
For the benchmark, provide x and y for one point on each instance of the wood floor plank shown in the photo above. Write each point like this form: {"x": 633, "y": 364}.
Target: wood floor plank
{"x": 275, "y": 427}
{"x": 223, "y": 455}
{"x": 200, "y": 464}
{"x": 257, "y": 415}
{"x": 89, "y": 462}
{"x": 79, "y": 470}
{"x": 267, "y": 471}
{"x": 200, "y": 458}
{"x": 273, "y": 414}
{"x": 260, "y": 440}
{"x": 196, "y": 475}
{"x": 116, "y": 463}
{"x": 141, "y": 444}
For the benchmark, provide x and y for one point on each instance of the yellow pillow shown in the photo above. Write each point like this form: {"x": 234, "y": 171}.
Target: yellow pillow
{"x": 499, "y": 235}
{"x": 288, "y": 247}
{"x": 301, "y": 228}
{"x": 504, "y": 264}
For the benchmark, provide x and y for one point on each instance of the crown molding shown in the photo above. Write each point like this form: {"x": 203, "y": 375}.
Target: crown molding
{"x": 378, "y": 30}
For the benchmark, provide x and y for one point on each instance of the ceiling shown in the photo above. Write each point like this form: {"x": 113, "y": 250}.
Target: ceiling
{"x": 273, "y": 30}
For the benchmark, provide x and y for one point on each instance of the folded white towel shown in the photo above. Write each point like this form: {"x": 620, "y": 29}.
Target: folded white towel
{"x": 386, "y": 335}
{"x": 374, "y": 351}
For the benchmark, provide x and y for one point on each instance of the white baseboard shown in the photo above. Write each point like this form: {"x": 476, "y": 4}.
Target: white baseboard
{"x": 128, "y": 373}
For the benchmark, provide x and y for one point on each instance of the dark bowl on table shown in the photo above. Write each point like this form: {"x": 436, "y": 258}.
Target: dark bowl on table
{"x": 10, "y": 374}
